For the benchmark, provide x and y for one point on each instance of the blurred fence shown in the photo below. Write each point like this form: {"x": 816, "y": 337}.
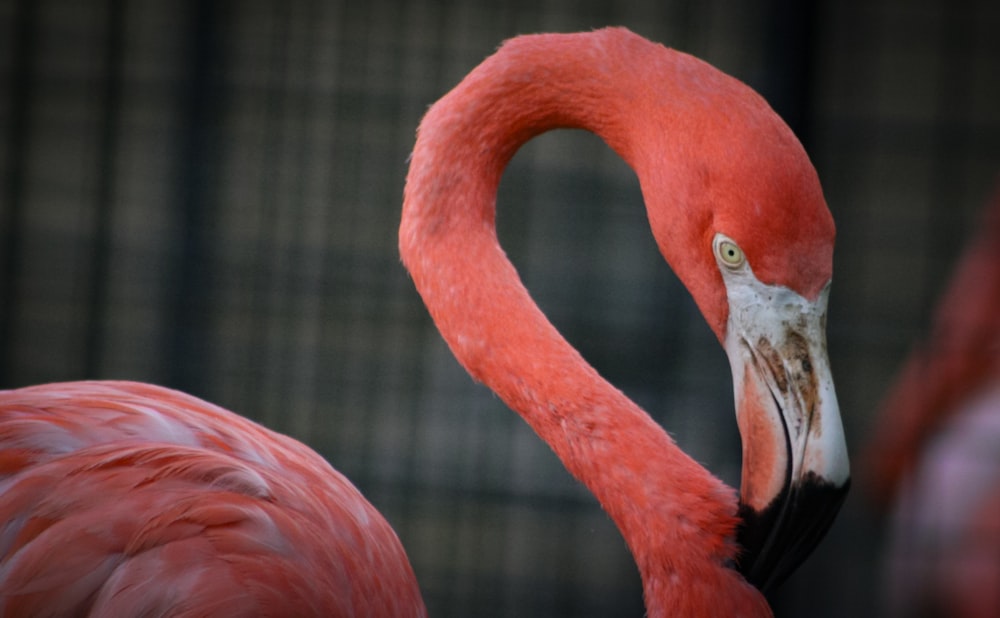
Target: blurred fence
{"x": 205, "y": 195}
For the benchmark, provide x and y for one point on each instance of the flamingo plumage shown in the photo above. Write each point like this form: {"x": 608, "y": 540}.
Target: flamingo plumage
{"x": 127, "y": 499}
{"x": 737, "y": 210}
{"x": 933, "y": 457}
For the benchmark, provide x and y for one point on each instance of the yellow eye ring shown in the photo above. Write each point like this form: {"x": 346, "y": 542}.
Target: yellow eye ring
{"x": 729, "y": 253}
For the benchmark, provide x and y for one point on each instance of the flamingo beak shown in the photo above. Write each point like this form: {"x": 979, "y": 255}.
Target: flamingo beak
{"x": 795, "y": 467}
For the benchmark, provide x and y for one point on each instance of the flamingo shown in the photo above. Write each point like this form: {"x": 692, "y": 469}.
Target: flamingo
{"x": 933, "y": 457}
{"x": 737, "y": 210}
{"x": 118, "y": 498}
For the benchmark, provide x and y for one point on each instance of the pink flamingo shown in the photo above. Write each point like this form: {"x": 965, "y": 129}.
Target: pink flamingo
{"x": 129, "y": 499}
{"x": 737, "y": 210}
{"x": 934, "y": 455}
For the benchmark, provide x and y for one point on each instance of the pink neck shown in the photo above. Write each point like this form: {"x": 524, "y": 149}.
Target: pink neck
{"x": 675, "y": 516}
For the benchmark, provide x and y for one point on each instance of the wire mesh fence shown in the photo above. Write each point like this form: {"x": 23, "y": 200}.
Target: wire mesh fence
{"x": 206, "y": 196}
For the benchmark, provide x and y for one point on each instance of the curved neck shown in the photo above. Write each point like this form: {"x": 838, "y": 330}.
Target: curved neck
{"x": 675, "y": 516}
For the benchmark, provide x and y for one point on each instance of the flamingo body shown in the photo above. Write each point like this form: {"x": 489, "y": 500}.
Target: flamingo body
{"x": 126, "y": 499}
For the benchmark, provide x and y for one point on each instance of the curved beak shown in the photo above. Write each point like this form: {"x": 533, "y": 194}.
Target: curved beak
{"x": 795, "y": 468}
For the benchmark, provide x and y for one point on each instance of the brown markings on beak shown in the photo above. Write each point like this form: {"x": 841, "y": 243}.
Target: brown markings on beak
{"x": 786, "y": 506}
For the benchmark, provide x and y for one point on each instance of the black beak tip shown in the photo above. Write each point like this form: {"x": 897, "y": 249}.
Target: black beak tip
{"x": 777, "y": 539}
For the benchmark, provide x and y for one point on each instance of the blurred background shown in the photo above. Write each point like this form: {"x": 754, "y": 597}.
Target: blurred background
{"x": 205, "y": 195}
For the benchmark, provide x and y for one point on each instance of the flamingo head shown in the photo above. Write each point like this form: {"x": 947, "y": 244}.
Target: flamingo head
{"x": 795, "y": 466}
{"x": 742, "y": 219}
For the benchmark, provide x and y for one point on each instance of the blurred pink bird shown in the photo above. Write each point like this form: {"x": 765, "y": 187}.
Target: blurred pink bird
{"x": 934, "y": 456}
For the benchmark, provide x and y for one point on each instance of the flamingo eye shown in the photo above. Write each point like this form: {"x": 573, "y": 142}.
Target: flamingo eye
{"x": 729, "y": 253}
